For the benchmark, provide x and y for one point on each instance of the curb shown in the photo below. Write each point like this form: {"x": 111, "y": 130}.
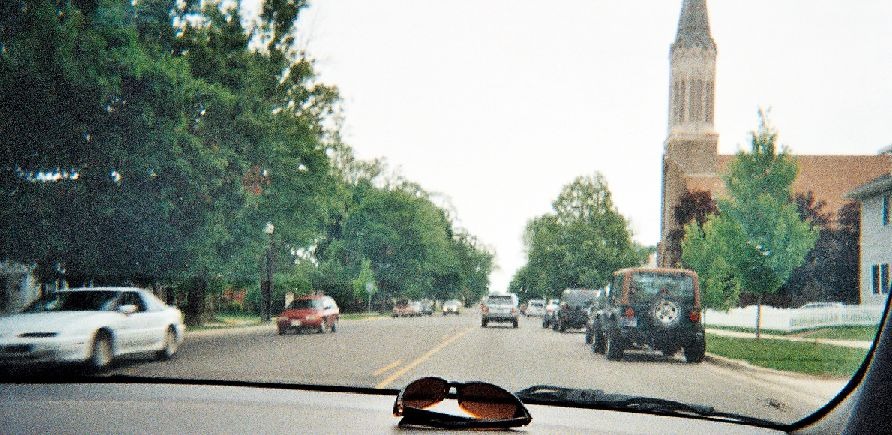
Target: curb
{"x": 745, "y": 365}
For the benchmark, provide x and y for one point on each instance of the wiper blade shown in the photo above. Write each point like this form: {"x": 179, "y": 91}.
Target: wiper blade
{"x": 598, "y": 399}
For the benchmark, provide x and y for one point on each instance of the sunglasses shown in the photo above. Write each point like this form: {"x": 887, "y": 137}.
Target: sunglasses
{"x": 489, "y": 406}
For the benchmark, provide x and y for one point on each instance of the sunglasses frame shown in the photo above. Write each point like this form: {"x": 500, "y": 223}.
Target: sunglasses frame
{"x": 421, "y": 417}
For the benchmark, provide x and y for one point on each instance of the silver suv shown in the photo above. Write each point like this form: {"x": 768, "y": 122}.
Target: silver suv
{"x": 500, "y": 308}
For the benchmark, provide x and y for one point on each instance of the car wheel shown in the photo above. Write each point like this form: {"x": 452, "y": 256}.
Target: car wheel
{"x": 170, "y": 344}
{"x": 483, "y": 323}
{"x": 545, "y": 323}
{"x": 554, "y": 325}
{"x": 588, "y": 336}
{"x": 696, "y": 352}
{"x": 613, "y": 348}
{"x": 670, "y": 352}
{"x": 102, "y": 352}
{"x": 515, "y": 323}
{"x": 322, "y": 327}
{"x": 334, "y": 326}
{"x": 561, "y": 326}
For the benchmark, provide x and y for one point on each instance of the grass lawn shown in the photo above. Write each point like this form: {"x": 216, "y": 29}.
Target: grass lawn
{"x": 802, "y": 357}
{"x": 861, "y": 333}
{"x": 229, "y": 320}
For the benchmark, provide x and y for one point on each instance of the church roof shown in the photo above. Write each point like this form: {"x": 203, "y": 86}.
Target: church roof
{"x": 830, "y": 177}
{"x": 693, "y": 26}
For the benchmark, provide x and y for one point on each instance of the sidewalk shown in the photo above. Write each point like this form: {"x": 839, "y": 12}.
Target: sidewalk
{"x": 856, "y": 344}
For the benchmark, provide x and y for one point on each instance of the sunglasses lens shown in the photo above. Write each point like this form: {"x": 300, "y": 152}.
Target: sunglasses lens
{"x": 487, "y": 402}
{"x": 424, "y": 392}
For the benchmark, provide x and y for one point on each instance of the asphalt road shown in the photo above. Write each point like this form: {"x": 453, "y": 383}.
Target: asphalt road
{"x": 389, "y": 353}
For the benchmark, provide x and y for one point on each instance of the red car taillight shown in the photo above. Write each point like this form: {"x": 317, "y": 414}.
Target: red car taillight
{"x": 694, "y": 316}
{"x": 629, "y": 313}
{"x": 485, "y": 309}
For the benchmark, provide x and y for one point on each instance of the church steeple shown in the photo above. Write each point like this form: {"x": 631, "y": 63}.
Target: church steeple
{"x": 692, "y": 85}
{"x": 693, "y": 26}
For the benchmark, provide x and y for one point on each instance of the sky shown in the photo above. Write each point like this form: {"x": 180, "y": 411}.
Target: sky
{"x": 497, "y": 104}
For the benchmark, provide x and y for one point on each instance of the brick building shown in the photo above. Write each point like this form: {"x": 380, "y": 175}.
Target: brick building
{"x": 690, "y": 155}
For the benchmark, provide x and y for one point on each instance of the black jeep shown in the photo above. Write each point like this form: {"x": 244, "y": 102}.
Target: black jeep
{"x": 573, "y": 311}
{"x": 651, "y": 308}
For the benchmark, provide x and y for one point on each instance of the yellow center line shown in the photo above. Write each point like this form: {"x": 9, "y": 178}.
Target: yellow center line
{"x": 387, "y": 367}
{"x": 411, "y": 365}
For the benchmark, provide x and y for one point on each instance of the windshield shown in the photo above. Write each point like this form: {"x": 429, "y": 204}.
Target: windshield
{"x": 235, "y": 157}
{"x": 75, "y": 301}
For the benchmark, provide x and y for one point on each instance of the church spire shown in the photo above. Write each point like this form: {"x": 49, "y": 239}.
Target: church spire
{"x": 692, "y": 81}
{"x": 693, "y": 26}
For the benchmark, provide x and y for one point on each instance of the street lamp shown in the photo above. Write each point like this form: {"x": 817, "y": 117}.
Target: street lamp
{"x": 266, "y": 280}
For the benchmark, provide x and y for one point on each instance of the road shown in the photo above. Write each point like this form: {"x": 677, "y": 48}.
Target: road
{"x": 388, "y": 353}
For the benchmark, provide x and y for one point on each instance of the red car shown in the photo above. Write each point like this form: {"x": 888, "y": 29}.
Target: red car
{"x": 316, "y": 313}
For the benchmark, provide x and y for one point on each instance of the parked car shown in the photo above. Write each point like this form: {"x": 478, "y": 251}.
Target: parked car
{"x": 595, "y": 311}
{"x": 550, "y": 316}
{"x": 93, "y": 326}
{"x": 535, "y": 308}
{"x": 451, "y": 306}
{"x": 406, "y": 308}
{"x": 426, "y": 308}
{"x": 500, "y": 308}
{"x": 652, "y": 308}
{"x": 316, "y": 313}
{"x": 573, "y": 310}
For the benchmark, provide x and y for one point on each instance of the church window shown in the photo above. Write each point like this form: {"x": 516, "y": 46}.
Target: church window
{"x": 886, "y": 200}
{"x": 709, "y": 99}
{"x": 884, "y": 278}
{"x": 875, "y": 278}
{"x": 696, "y": 100}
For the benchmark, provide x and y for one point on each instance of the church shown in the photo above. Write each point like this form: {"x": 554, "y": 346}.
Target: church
{"x": 691, "y": 162}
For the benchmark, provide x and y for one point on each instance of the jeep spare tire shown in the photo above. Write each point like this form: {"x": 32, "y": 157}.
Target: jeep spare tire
{"x": 665, "y": 313}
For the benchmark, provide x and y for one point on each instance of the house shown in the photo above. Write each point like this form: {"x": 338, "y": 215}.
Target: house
{"x": 875, "y": 197}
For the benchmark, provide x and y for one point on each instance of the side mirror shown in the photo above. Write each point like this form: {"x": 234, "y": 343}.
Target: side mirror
{"x": 127, "y": 309}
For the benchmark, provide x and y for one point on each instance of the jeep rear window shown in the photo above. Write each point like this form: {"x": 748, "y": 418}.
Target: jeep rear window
{"x": 650, "y": 284}
{"x": 579, "y": 297}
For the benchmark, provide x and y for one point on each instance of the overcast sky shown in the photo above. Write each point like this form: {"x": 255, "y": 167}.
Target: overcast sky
{"x": 498, "y": 104}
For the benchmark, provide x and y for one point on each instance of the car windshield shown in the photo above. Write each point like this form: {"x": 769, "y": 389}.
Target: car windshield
{"x": 646, "y": 285}
{"x": 302, "y": 304}
{"x": 235, "y": 157}
{"x": 75, "y": 301}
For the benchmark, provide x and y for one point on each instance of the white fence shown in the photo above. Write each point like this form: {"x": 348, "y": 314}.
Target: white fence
{"x": 793, "y": 319}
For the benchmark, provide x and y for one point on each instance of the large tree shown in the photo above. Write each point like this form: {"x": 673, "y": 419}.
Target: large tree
{"x": 758, "y": 230}
{"x": 580, "y": 244}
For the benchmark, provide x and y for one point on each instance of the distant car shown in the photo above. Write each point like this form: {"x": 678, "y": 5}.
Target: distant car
{"x": 535, "y": 308}
{"x": 652, "y": 308}
{"x": 405, "y": 308}
{"x": 426, "y": 308}
{"x": 550, "y": 316}
{"x": 315, "y": 313}
{"x": 92, "y": 326}
{"x": 500, "y": 308}
{"x": 573, "y": 311}
{"x": 451, "y": 306}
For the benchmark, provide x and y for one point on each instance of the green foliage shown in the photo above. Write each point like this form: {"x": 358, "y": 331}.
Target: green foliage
{"x": 580, "y": 244}
{"x": 758, "y": 238}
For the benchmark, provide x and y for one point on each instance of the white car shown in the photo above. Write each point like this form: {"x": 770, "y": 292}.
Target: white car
{"x": 536, "y": 308}
{"x": 92, "y": 326}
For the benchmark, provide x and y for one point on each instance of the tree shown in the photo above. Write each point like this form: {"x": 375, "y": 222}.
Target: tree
{"x": 706, "y": 250}
{"x": 758, "y": 230}
{"x": 694, "y": 206}
{"x": 580, "y": 244}
{"x": 364, "y": 283}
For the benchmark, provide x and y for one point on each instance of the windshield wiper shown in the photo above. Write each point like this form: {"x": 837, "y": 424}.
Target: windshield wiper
{"x": 598, "y": 399}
